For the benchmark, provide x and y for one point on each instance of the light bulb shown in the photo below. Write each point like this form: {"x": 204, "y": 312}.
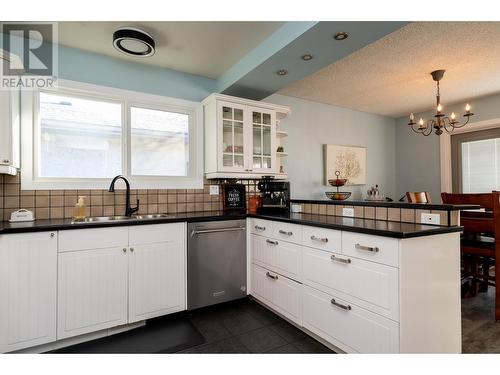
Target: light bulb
{"x": 421, "y": 123}
{"x": 467, "y": 108}
{"x": 440, "y": 107}
{"x": 453, "y": 116}
{"x": 412, "y": 117}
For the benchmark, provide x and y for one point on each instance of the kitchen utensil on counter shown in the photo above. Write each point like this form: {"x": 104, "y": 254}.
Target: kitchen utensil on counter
{"x": 337, "y": 182}
{"x": 21, "y": 215}
{"x": 275, "y": 195}
{"x": 374, "y": 194}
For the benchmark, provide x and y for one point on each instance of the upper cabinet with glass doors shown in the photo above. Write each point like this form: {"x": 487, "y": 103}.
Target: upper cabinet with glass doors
{"x": 240, "y": 137}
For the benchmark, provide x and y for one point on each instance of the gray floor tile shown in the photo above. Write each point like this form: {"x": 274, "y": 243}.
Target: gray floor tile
{"x": 241, "y": 323}
{"x": 285, "y": 349}
{"x": 231, "y": 345}
{"x": 261, "y": 340}
{"x": 288, "y": 331}
{"x": 311, "y": 346}
{"x": 211, "y": 329}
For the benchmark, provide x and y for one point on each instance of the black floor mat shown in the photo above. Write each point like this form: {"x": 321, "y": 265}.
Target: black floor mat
{"x": 168, "y": 334}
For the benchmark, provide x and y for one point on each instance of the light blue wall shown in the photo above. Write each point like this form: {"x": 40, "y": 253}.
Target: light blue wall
{"x": 312, "y": 124}
{"x": 78, "y": 65}
{"x": 417, "y": 157}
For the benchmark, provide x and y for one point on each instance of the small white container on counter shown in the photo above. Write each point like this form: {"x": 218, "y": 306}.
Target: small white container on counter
{"x": 21, "y": 215}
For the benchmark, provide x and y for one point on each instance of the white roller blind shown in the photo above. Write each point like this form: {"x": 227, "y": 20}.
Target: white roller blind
{"x": 480, "y": 166}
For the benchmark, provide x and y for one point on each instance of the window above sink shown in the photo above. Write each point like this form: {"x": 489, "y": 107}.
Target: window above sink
{"x": 79, "y": 136}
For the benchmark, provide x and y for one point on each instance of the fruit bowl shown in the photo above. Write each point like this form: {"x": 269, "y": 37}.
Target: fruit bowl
{"x": 338, "y": 196}
{"x": 337, "y": 182}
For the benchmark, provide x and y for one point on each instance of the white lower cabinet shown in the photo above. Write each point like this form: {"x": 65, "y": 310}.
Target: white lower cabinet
{"x": 92, "y": 290}
{"x": 278, "y": 292}
{"x": 156, "y": 280}
{"x": 101, "y": 288}
{"x": 371, "y": 285}
{"x": 347, "y": 326}
{"x": 28, "y": 287}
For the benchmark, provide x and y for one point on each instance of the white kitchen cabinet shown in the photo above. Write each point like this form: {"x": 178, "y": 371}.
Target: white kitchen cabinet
{"x": 278, "y": 292}
{"x": 156, "y": 271}
{"x": 347, "y": 326}
{"x": 9, "y": 131}
{"x": 92, "y": 293}
{"x": 28, "y": 285}
{"x": 240, "y": 137}
{"x": 119, "y": 275}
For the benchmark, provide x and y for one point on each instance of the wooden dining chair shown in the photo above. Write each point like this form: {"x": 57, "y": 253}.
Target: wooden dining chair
{"x": 418, "y": 197}
{"x": 480, "y": 243}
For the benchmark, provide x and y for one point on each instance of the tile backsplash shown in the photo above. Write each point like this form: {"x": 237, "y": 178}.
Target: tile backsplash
{"x": 58, "y": 204}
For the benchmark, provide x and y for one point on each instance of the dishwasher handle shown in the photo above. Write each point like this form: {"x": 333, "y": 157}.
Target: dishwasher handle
{"x": 195, "y": 232}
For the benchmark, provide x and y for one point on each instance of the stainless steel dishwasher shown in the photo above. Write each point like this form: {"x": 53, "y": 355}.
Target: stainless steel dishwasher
{"x": 217, "y": 264}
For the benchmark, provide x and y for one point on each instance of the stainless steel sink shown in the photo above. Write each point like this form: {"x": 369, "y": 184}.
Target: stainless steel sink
{"x": 96, "y": 219}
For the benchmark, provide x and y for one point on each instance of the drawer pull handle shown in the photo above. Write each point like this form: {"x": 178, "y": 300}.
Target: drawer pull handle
{"x": 285, "y": 232}
{"x": 260, "y": 228}
{"x": 319, "y": 239}
{"x": 124, "y": 249}
{"x": 272, "y": 242}
{"x": 373, "y": 249}
{"x": 274, "y": 277}
{"x": 341, "y": 260}
{"x": 345, "y": 307}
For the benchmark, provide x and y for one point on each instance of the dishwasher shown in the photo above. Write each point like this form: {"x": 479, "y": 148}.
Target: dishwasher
{"x": 216, "y": 263}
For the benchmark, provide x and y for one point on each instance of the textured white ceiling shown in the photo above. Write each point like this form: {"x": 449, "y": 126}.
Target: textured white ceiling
{"x": 391, "y": 76}
{"x": 203, "y": 48}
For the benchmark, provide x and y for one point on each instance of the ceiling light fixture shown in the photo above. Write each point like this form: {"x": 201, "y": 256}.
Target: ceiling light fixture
{"x": 307, "y": 57}
{"x": 134, "y": 42}
{"x": 282, "y": 72}
{"x": 342, "y": 35}
{"x": 441, "y": 121}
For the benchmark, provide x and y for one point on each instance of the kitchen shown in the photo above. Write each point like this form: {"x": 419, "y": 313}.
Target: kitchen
{"x": 158, "y": 200}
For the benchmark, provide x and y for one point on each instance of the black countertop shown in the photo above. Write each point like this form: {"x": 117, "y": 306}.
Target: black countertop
{"x": 367, "y": 226}
{"x": 417, "y": 206}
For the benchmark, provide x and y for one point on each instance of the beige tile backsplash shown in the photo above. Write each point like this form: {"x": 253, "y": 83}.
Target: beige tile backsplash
{"x": 58, "y": 204}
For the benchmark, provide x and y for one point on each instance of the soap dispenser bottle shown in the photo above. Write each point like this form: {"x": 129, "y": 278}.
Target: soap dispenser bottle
{"x": 80, "y": 206}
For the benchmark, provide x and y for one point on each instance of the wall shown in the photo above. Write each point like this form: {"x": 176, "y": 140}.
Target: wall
{"x": 78, "y": 65}
{"x": 312, "y": 124}
{"x": 417, "y": 157}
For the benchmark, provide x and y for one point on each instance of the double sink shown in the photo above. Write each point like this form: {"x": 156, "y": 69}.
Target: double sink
{"x": 96, "y": 219}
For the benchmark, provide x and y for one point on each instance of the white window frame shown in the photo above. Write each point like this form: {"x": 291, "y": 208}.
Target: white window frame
{"x": 30, "y": 120}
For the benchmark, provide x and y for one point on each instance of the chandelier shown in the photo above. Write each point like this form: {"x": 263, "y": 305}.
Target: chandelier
{"x": 441, "y": 120}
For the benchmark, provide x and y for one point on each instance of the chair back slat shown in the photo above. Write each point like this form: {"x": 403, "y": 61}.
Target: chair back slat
{"x": 418, "y": 197}
{"x": 485, "y": 200}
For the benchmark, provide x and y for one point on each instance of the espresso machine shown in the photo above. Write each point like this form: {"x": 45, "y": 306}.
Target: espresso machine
{"x": 275, "y": 195}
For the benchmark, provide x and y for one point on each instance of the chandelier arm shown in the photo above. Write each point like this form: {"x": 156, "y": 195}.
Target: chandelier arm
{"x": 430, "y": 125}
{"x": 448, "y": 128}
{"x": 416, "y": 131}
{"x": 462, "y": 125}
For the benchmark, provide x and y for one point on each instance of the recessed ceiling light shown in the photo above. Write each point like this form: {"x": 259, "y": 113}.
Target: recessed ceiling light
{"x": 341, "y": 36}
{"x": 307, "y": 57}
{"x": 134, "y": 42}
{"x": 282, "y": 72}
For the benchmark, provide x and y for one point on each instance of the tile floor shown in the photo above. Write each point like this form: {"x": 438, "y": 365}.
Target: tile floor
{"x": 244, "y": 326}
{"x": 480, "y": 331}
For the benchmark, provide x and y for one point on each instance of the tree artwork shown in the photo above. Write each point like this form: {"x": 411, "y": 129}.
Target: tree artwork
{"x": 348, "y": 164}
{"x": 349, "y": 160}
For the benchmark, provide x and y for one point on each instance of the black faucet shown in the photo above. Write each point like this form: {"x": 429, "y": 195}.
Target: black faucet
{"x": 128, "y": 210}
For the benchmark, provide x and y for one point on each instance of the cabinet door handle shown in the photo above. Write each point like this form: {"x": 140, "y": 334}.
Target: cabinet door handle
{"x": 124, "y": 249}
{"x": 319, "y": 239}
{"x": 344, "y": 307}
{"x": 260, "y": 228}
{"x": 341, "y": 260}
{"x": 52, "y": 235}
{"x": 6, "y": 161}
{"x": 132, "y": 249}
{"x": 373, "y": 249}
{"x": 274, "y": 277}
{"x": 272, "y": 242}
{"x": 285, "y": 232}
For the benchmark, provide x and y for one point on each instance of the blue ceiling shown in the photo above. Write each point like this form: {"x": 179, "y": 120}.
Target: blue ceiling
{"x": 254, "y": 77}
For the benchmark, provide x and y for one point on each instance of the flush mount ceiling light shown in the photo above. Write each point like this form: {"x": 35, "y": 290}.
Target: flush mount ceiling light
{"x": 282, "y": 72}
{"x": 441, "y": 121}
{"x": 307, "y": 57}
{"x": 341, "y": 35}
{"x": 133, "y": 42}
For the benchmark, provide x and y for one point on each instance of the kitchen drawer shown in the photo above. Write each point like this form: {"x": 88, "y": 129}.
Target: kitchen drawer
{"x": 348, "y": 326}
{"x": 321, "y": 238}
{"x": 278, "y": 256}
{"x": 92, "y": 238}
{"x": 374, "y": 248}
{"x": 154, "y": 233}
{"x": 370, "y": 285}
{"x": 262, "y": 227}
{"x": 278, "y": 292}
{"x": 287, "y": 232}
